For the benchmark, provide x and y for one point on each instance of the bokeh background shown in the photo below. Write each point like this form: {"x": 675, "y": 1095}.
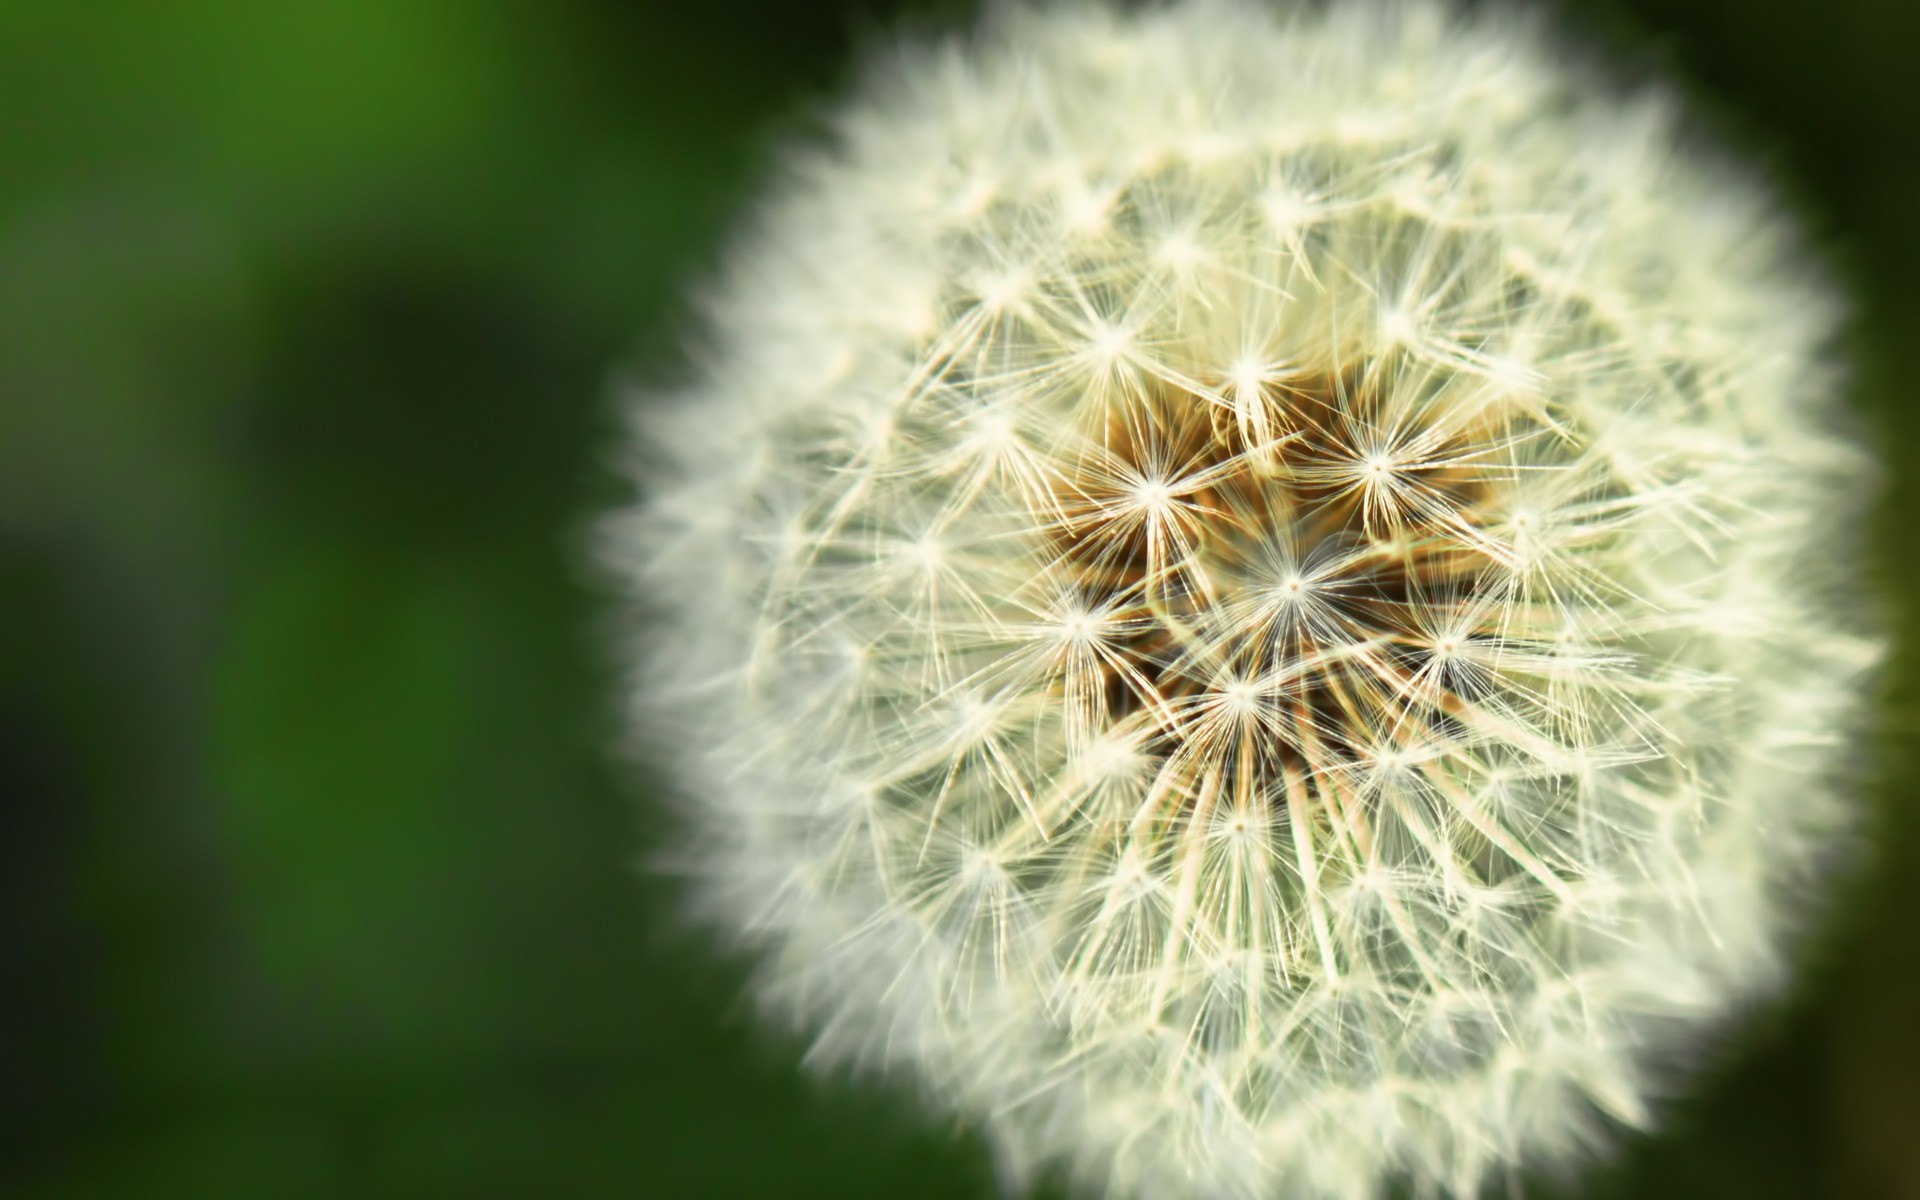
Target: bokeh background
{"x": 317, "y": 876}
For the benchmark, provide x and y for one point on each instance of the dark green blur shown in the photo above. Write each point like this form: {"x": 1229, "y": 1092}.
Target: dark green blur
{"x": 318, "y": 874}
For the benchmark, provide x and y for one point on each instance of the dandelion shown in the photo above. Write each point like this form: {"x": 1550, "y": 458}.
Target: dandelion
{"x": 1255, "y": 596}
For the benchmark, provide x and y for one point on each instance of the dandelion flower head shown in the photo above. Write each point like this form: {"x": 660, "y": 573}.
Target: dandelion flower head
{"x": 1247, "y": 593}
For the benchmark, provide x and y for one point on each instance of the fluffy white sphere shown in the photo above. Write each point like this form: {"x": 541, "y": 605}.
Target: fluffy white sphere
{"x": 1249, "y": 593}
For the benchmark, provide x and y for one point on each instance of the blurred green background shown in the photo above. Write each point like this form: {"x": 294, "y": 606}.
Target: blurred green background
{"x": 318, "y": 876}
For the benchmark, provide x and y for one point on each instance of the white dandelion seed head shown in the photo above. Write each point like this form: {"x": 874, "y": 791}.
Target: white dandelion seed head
{"x": 1255, "y": 595}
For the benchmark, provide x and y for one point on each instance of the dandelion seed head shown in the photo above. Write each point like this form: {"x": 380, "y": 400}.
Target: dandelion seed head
{"x": 1255, "y": 595}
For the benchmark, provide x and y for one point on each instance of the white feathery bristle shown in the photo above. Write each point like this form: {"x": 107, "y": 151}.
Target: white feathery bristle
{"x": 1257, "y": 596}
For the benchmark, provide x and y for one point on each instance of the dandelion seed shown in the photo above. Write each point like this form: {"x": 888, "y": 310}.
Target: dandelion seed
{"x": 1255, "y": 596}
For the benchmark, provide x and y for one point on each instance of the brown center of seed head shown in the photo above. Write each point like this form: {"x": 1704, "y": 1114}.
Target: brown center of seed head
{"x": 1291, "y": 605}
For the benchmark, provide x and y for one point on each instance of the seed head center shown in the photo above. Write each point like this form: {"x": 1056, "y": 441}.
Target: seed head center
{"x": 1221, "y": 593}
